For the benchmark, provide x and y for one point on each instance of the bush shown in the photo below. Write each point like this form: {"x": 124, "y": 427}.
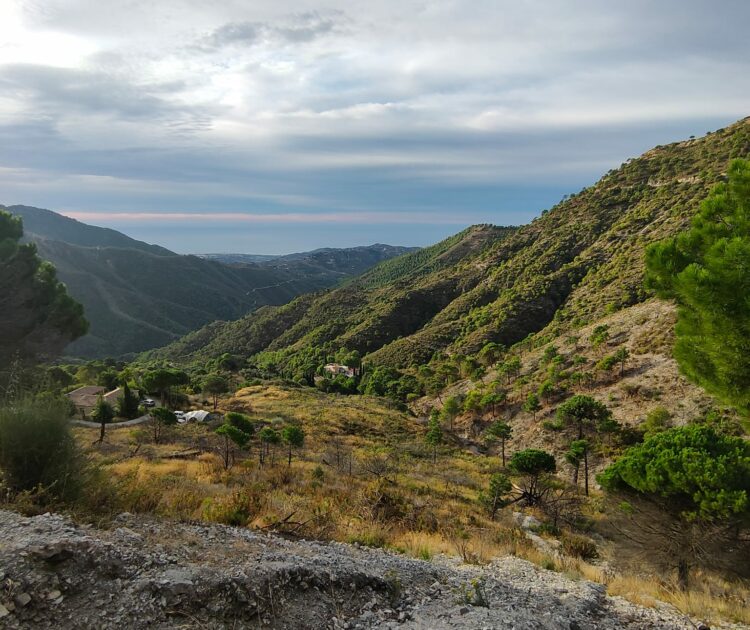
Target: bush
{"x": 579, "y": 547}
{"x": 38, "y": 450}
{"x": 236, "y": 509}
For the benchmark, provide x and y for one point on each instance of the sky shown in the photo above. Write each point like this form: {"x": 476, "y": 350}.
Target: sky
{"x": 278, "y": 126}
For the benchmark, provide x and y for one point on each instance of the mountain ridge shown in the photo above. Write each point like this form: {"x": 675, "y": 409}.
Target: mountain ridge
{"x": 572, "y": 264}
{"x": 139, "y": 296}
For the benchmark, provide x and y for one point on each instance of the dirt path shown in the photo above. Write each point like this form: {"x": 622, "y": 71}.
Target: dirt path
{"x": 112, "y": 425}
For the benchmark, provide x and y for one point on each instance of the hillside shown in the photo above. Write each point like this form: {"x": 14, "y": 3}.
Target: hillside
{"x": 396, "y": 298}
{"x": 578, "y": 261}
{"x": 41, "y": 224}
{"x": 138, "y": 296}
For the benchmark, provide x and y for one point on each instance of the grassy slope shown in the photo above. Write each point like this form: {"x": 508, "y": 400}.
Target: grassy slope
{"x": 572, "y": 265}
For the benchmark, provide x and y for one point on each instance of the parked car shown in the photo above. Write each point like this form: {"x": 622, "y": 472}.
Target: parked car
{"x": 148, "y": 402}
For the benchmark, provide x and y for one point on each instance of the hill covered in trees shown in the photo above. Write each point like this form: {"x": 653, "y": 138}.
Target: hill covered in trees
{"x": 582, "y": 259}
{"x": 138, "y": 296}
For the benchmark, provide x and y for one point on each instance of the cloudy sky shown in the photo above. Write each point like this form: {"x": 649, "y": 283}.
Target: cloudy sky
{"x": 274, "y": 126}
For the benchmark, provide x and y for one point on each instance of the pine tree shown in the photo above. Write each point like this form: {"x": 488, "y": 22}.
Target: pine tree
{"x": 434, "y": 436}
{"x": 127, "y": 404}
{"x": 695, "y": 476}
{"x": 103, "y": 414}
{"x": 706, "y": 270}
{"x": 39, "y": 318}
{"x": 294, "y": 437}
{"x": 586, "y": 416}
{"x": 500, "y": 431}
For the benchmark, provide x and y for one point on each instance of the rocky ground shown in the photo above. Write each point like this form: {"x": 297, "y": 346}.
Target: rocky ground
{"x": 147, "y": 573}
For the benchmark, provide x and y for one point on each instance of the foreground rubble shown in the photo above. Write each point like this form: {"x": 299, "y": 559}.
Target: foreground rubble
{"x": 147, "y": 573}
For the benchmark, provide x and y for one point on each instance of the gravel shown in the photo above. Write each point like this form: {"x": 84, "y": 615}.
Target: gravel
{"x": 158, "y": 574}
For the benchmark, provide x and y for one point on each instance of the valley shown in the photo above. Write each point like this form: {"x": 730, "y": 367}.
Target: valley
{"x": 138, "y": 296}
{"x": 449, "y": 422}
{"x": 374, "y": 316}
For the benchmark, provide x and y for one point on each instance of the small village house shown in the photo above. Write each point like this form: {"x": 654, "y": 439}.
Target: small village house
{"x": 335, "y": 369}
{"x": 85, "y": 398}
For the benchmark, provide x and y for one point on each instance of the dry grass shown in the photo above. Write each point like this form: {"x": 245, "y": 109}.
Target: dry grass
{"x": 378, "y": 487}
{"x": 711, "y": 598}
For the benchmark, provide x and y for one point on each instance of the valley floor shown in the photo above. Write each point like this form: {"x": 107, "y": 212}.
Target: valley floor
{"x": 153, "y": 573}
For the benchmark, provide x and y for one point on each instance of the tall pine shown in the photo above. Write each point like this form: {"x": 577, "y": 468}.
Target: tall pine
{"x": 706, "y": 270}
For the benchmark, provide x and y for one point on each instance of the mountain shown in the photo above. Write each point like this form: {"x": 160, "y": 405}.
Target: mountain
{"x": 41, "y": 224}
{"x": 577, "y": 262}
{"x": 139, "y": 296}
{"x": 349, "y": 261}
{"x": 238, "y": 259}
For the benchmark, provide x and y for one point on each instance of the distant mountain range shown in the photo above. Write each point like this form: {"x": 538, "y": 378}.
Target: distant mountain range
{"x": 238, "y": 259}
{"x": 350, "y": 261}
{"x": 139, "y": 296}
{"x": 577, "y": 262}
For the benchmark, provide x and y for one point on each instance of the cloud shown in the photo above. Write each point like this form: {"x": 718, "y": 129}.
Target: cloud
{"x": 487, "y": 111}
{"x": 298, "y": 28}
{"x": 294, "y": 218}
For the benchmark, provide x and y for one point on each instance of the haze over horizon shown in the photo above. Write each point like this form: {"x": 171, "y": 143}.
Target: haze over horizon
{"x": 288, "y": 126}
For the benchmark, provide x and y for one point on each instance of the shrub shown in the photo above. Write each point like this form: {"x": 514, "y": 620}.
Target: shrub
{"x": 579, "y": 547}
{"x": 235, "y": 509}
{"x": 38, "y": 450}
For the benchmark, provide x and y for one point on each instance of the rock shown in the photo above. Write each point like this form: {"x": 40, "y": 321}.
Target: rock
{"x": 52, "y": 552}
{"x": 220, "y": 577}
{"x": 126, "y": 533}
{"x": 529, "y": 522}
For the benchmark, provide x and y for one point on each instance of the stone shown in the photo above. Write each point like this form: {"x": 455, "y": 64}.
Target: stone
{"x": 22, "y": 599}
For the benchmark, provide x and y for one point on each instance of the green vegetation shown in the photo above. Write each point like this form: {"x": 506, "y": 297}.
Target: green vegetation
{"x": 38, "y": 453}
{"x": 103, "y": 413}
{"x": 498, "y": 346}
{"x": 39, "y": 317}
{"x": 587, "y": 417}
{"x": 578, "y": 262}
{"x": 215, "y": 385}
{"x": 499, "y": 431}
{"x": 495, "y": 499}
{"x": 237, "y": 429}
{"x": 697, "y": 479}
{"x": 434, "y": 435}
{"x": 161, "y": 417}
{"x": 162, "y": 380}
{"x": 534, "y": 466}
{"x": 127, "y": 404}
{"x": 294, "y": 437}
{"x": 707, "y": 271}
